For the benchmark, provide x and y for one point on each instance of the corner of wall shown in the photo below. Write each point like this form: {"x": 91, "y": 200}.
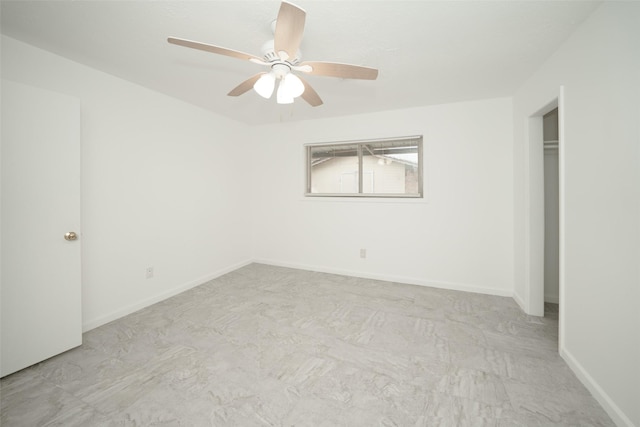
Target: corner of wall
{"x": 139, "y": 305}
{"x": 519, "y": 300}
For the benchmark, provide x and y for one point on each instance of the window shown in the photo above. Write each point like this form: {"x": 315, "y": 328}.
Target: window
{"x": 371, "y": 168}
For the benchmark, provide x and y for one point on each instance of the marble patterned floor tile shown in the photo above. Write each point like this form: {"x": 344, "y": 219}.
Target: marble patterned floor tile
{"x": 551, "y": 405}
{"x": 273, "y": 346}
{"x": 516, "y": 324}
{"x": 35, "y": 401}
{"x": 460, "y": 332}
{"x": 542, "y": 346}
{"x": 482, "y": 358}
{"x": 479, "y": 414}
{"x": 474, "y": 385}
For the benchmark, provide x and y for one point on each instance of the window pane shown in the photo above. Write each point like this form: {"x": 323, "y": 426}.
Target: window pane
{"x": 334, "y": 169}
{"x": 390, "y": 167}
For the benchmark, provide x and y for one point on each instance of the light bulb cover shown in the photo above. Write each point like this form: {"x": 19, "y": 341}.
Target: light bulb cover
{"x": 283, "y": 96}
{"x": 265, "y": 84}
{"x": 292, "y": 85}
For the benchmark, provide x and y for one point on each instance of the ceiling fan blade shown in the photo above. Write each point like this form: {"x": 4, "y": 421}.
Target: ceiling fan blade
{"x": 214, "y": 49}
{"x": 310, "y": 95}
{"x": 335, "y": 69}
{"x": 245, "y": 86}
{"x": 289, "y": 30}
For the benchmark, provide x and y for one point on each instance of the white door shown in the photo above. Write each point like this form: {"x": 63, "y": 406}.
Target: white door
{"x": 40, "y": 294}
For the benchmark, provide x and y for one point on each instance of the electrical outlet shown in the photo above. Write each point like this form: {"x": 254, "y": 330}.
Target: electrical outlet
{"x": 363, "y": 253}
{"x": 149, "y": 272}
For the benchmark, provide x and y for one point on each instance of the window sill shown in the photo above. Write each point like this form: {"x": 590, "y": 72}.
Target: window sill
{"x": 365, "y": 199}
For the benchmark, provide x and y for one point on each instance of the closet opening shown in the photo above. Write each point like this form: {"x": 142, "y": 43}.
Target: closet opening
{"x": 551, "y": 215}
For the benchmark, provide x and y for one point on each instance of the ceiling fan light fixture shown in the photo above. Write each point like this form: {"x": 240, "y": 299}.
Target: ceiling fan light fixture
{"x": 292, "y": 85}
{"x": 283, "y": 55}
{"x": 265, "y": 85}
{"x": 284, "y": 95}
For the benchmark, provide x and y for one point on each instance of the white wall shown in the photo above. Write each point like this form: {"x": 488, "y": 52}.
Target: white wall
{"x": 460, "y": 236}
{"x": 599, "y": 67}
{"x": 164, "y": 185}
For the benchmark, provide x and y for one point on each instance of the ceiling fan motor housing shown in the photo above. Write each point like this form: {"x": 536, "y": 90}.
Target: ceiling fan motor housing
{"x": 280, "y": 69}
{"x": 269, "y": 54}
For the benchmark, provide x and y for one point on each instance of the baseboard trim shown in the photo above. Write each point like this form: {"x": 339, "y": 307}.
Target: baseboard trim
{"x": 94, "y": 323}
{"x": 519, "y": 300}
{"x": 614, "y": 411}
{"x": 397, "y": 279}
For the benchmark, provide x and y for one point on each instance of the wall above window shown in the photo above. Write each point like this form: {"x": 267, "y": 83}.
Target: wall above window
{"x": 390, "y": 167}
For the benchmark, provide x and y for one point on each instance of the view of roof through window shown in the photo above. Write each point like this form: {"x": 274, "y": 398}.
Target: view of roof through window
{"x": 380, "y": 168}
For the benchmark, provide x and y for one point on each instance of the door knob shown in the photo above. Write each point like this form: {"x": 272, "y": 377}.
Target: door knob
{"x": 70, "y": 236}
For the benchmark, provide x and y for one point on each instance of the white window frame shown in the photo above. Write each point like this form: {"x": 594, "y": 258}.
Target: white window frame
{"x": 360, "y": 143}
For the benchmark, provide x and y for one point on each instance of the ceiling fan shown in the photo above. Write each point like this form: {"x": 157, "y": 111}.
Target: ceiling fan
{"x": 282, "y": 55}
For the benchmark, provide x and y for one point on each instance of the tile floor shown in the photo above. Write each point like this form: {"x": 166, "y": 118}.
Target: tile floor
{"x": 271, "y": 346}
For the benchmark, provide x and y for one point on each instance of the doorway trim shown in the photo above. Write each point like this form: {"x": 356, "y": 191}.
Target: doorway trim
{"x": 534, "y": 211}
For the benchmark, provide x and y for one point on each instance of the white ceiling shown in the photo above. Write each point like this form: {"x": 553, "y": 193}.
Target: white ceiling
{"x": 428, "y": 52}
